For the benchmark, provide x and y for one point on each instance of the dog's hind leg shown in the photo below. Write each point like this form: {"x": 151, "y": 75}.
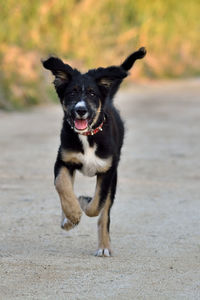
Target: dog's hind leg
{"x": 70, "y": 205}
{"x": 91, "y": 205}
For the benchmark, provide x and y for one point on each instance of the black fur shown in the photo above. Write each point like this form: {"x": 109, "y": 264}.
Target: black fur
{"x": 96, "y": 90}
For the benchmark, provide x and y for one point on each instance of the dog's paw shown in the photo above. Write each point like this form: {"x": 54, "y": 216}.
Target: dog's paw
{"x": 84, "y": 201}
{"x": 74, "y": 218}
{"x": 67, "y": 224}
{"x": 70, "y": 220}
{"x": 103, "y": 252}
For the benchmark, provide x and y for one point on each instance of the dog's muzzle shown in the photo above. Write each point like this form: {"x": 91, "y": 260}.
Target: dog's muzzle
{"x": 81, "y": 116}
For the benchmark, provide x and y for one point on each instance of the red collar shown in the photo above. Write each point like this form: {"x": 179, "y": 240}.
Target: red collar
{"x": 93, "y": 131}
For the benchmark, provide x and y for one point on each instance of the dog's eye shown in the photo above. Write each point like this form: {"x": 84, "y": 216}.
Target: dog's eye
{"x": 92, "y": 93}
{"x": 73, "y": 92}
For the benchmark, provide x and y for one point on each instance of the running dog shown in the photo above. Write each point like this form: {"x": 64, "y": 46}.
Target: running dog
{"x": 91, "y": 140}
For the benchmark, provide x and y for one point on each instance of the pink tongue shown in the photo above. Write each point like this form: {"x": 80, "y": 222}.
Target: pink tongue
{"x": 81, "y": 124}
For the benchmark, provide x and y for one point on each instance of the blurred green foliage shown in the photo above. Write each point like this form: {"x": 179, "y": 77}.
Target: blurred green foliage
{"x": 89, "y": 33}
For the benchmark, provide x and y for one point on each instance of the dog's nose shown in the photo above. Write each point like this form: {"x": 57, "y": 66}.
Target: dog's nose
{"x": 81, "y": 111}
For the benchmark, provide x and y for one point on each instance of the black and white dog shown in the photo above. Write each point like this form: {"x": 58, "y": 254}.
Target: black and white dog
{"x": 91, "y": 140}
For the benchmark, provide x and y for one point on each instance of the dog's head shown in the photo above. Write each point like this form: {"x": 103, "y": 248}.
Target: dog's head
{"x": 83, "y": 96}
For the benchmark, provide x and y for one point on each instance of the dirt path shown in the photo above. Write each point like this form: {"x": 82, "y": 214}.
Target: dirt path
{"x": 155, "y": 224}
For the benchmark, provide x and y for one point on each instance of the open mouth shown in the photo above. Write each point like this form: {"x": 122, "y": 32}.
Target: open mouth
{"x": 80, "y": 124}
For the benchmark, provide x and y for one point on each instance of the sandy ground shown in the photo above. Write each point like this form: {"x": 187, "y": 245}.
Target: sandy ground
{"x": 155, "y": 226}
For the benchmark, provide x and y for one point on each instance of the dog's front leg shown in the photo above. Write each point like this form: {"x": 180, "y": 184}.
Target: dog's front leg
{"x": 70, "y": 205}
{"x": 104, "y": 248}
{"x": 101, "y": 204}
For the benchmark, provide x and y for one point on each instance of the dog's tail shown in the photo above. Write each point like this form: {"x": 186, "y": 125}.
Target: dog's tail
{"x": 130, "y": 60}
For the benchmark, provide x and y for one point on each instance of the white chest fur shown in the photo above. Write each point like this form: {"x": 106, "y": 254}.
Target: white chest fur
{"x": 92, "y": 164}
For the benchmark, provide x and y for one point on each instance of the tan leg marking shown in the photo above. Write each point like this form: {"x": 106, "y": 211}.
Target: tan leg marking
{"x": 66, "y": 223}
{"x": 103, "y": 234}
{"x": 69, "y": 202}
{"x": 91, "y": 209}
{"x": 70, "y": 156}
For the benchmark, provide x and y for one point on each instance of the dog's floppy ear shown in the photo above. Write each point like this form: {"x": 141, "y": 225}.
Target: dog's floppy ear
{"x": 130, "y": 60}
{"x": 62, "y": 72}
{"x": 109, "y": 79}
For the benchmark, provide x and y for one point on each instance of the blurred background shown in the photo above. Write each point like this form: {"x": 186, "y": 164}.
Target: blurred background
{"x": 90, "y": 33}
